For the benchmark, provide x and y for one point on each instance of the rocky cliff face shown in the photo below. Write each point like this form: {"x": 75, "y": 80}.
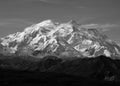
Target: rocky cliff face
{"x": 61, "y": 40}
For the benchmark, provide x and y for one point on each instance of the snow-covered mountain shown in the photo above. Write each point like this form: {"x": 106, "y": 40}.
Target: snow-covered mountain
{"x": 62, "y": 40}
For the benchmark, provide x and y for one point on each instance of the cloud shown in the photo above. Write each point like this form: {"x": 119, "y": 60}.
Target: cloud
{"x": 13, "y": 25}
{"x": 52, "y": 1}
{"x": 108, "y": 27}
{"x": 5, "y": 22}
{"x": 56, "y": 1}
{"x": 102, "y": 27}
{"x": 45, "y": 0}
{"x": 72, "y": 3}
{"x": 9, "y": 26}
{"x": 80, "y": 7}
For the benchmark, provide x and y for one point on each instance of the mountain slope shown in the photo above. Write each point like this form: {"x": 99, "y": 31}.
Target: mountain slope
{"x": 62, "y": 40}
{"x": 49, "y": 50}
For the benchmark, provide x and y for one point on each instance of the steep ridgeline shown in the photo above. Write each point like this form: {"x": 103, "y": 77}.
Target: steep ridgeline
{"x": 62, "y": 40}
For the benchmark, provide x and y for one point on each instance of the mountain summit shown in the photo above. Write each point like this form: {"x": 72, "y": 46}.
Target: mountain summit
{"x": 62, "y": 40}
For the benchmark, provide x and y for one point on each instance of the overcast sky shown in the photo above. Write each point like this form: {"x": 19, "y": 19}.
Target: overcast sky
{"x": 15, "y": 15}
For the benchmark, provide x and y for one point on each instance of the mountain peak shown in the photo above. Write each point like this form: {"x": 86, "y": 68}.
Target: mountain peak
{"x": 65, "y": 39}
{"x": 45, "y": 23}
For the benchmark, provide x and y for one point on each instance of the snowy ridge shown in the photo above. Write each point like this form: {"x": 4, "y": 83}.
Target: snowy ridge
{"x": 66, "y": 39}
